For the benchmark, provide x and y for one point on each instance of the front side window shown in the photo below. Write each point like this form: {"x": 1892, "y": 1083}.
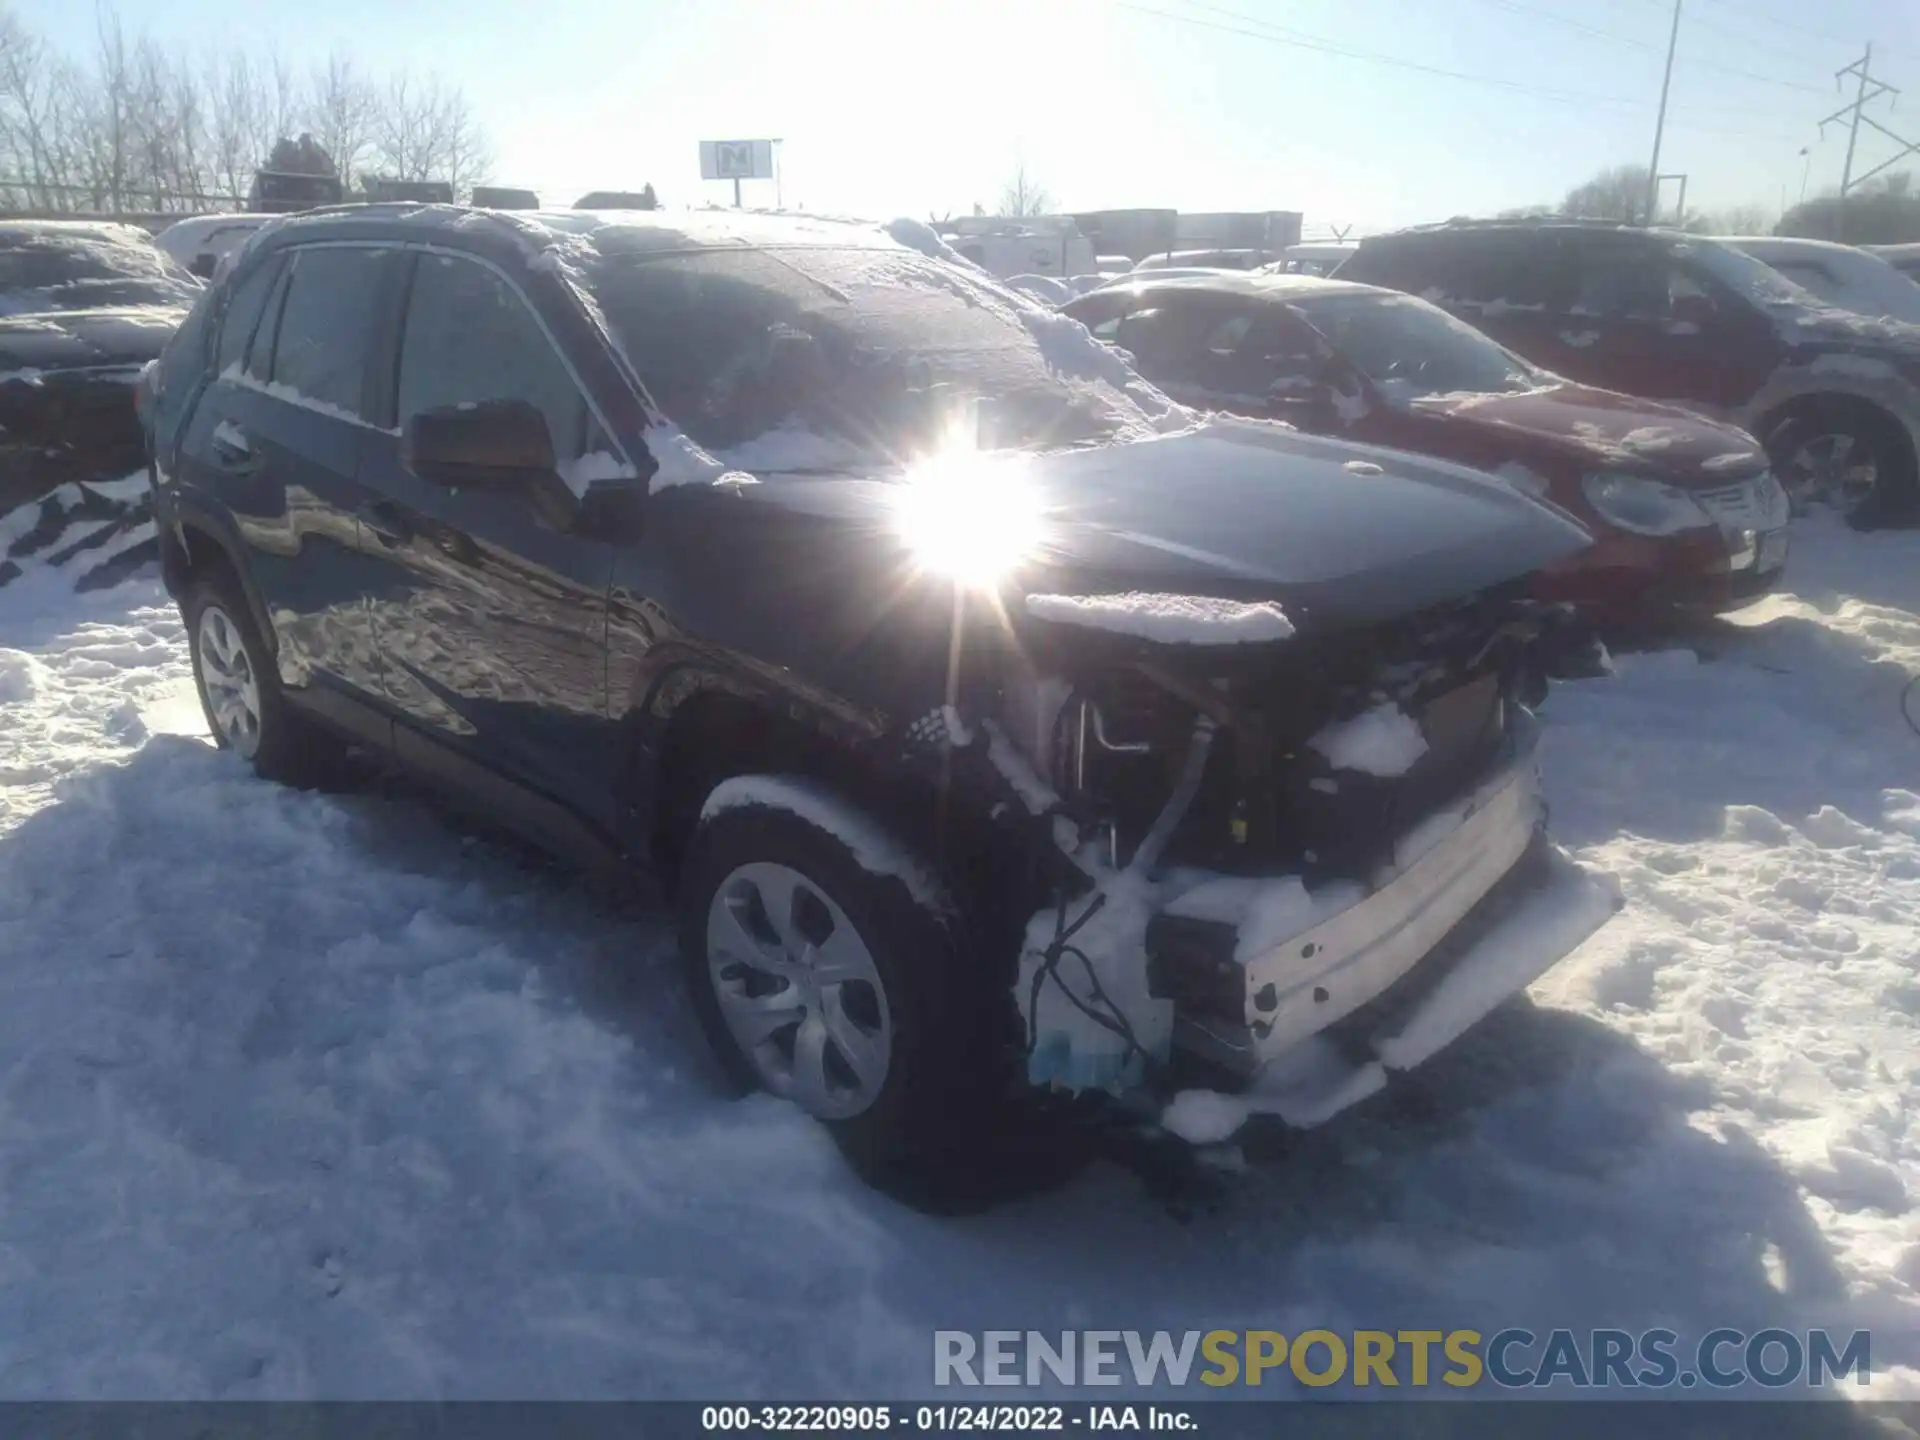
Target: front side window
{"x": 325, "y": 323}
{"x": 470, "y": 338}
{"x": 1409, "y": 348}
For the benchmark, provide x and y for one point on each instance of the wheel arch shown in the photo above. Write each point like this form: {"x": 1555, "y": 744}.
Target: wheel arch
{"x": 701, "y": 726}
{"x": 704, "y": 727}
{"x": 193, "y": 545}
{"x": 1889, "y": 400}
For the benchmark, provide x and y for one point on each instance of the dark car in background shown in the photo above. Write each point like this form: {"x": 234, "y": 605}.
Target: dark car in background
{"x": 1682, "y": 509}
{"x": 83, "y": 308}
{"x": 958, "y": 684}
{"x": 1834, "y": 396}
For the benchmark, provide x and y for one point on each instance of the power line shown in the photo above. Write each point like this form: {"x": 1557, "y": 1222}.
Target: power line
{"x": 1768, "y": 19}
{"x": 1303, "y": 40}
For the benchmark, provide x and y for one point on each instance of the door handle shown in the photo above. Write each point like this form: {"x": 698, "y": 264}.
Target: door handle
{"x": 232, "y": 448}
{"x": 388, "y": 520}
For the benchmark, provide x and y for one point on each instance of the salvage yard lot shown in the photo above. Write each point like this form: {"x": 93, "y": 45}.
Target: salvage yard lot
{"x": 313, "y": 1095}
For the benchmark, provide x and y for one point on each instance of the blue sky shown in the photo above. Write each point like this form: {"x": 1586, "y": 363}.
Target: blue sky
{"x": 925, "y": 106}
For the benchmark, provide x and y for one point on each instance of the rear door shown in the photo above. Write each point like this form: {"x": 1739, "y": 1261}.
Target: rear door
{"x": 276, "y": 443}
{"x": 493, "y": 629}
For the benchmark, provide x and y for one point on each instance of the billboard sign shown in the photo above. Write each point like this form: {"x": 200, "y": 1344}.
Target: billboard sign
{"x": 736, "y": 159}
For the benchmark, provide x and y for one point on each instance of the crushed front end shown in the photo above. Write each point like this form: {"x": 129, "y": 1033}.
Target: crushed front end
{"x": 1288, "y": 866}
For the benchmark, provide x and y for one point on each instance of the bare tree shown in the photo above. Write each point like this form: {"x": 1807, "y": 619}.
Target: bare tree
{"x": 1023, "y": 195}
{"x": 135, "y": 126}
{"x": 341, "y": 109}
{"x": 424, "y": 130}
{"x": 1733, "y": 220}
{"x": 236, "y": 121}
{"x": 1618, "y": 193}
{"x": 35, "y": 98}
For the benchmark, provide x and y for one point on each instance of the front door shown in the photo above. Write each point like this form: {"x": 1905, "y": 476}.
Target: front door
{"x": 493, "y": 632}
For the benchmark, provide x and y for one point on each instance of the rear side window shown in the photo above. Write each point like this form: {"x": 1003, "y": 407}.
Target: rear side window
{"x": 470, "y": 337}
{"x": 325, "y": 322}
{"x": 1517, "y": 269}
{"x": 245, "y": 303}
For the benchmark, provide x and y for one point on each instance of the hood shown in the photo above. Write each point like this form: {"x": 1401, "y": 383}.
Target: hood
{"x": 1340, "y": 535}
{"x": 1832, "y": 328}
{"x": 86, "y": 339}
{"x": 1605, "y": 428}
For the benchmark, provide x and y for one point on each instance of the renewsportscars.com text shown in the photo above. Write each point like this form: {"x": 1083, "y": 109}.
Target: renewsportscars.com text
{"x": 1512, "y": 1359}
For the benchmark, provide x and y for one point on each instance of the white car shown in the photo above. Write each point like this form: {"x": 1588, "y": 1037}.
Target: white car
{"x": 1904, "y": 258}
{"x": 200, "y": 242}
{"x": 1842, "y": 275}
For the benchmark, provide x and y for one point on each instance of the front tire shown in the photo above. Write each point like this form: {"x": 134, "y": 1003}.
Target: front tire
{"x": 844, "y": 990}
{"x": 239, "y": 687}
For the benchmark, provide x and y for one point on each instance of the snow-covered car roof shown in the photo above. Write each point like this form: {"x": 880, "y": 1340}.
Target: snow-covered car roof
{"x": 108, "y": 231}
{"x": 623, "y": 231}
{"x": 184, "y": 236}
{"x": 1260, "y": 284}
{"x": 1842, "y": 275}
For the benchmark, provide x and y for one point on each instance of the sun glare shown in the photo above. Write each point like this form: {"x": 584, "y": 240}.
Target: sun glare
{"x": 969, "y": 515}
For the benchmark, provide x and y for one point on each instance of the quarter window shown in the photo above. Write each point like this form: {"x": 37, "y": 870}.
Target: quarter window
{"x": 244, "y": 306}
{"x": 470, "y": 338}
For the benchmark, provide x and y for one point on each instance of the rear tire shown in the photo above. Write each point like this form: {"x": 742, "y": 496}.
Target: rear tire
{"x": 898, "y": 1054}
{"x": 240, "y": 693}
{"x": 1848, "y": 455}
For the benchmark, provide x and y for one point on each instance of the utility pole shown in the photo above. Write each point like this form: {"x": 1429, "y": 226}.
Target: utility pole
{"x": 1866, "y": 90}
{"x": 1660, "y": 121}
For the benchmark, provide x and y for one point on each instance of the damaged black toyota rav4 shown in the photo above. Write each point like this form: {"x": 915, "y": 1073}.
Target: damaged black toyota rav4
{"x": 994, "y": 722}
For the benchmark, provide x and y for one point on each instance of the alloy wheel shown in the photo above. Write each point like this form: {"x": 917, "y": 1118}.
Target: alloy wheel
{"x": 799, "y": 990}
{"x": 1833, "y": 467}
{"x": 232, "y": 689}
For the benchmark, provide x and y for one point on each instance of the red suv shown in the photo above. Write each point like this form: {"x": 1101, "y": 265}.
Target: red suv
{"x": 1682, "y": 509}
{"x": 1834, "y": 396}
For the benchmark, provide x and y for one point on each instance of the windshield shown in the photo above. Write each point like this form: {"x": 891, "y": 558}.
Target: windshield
{"x": 1410, "y": 348}
{"x": 47, "y": 270}
{"x": 1753, "y": 279}
{"x": 817, "y": 359}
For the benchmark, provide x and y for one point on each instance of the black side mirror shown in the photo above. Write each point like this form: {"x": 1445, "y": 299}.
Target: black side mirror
{"x": 203, "y": 265}
{"x": 500, "y": 447}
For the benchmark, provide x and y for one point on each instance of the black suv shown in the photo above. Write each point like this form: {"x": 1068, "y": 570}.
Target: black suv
{"x": 1834, "y": 396}
{"x": 990, "y": 719}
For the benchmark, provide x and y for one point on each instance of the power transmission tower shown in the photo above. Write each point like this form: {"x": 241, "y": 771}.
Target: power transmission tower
{"x": 1866, "y": 90}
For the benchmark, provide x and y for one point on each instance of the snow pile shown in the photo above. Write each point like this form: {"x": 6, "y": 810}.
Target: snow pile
{"x": 83, "y": 536}
{"x": 1305, "y": 1087}
{"x": 1168, "y": 619}
{"x": 1047, "y": 289}
{"x": 1383, "y": 741}
{"x": 919, "y": 236}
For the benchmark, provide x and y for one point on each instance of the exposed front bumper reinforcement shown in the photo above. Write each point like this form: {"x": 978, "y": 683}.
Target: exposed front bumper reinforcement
{"x": 1460, "y": 925}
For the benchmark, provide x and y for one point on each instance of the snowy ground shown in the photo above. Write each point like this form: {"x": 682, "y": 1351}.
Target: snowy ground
{"x": 309, "y": 1095}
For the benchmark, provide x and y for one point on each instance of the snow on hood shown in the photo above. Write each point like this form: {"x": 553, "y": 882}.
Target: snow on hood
{"x": 1168, "y": 619}
{"x": 1047, "y": 289}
